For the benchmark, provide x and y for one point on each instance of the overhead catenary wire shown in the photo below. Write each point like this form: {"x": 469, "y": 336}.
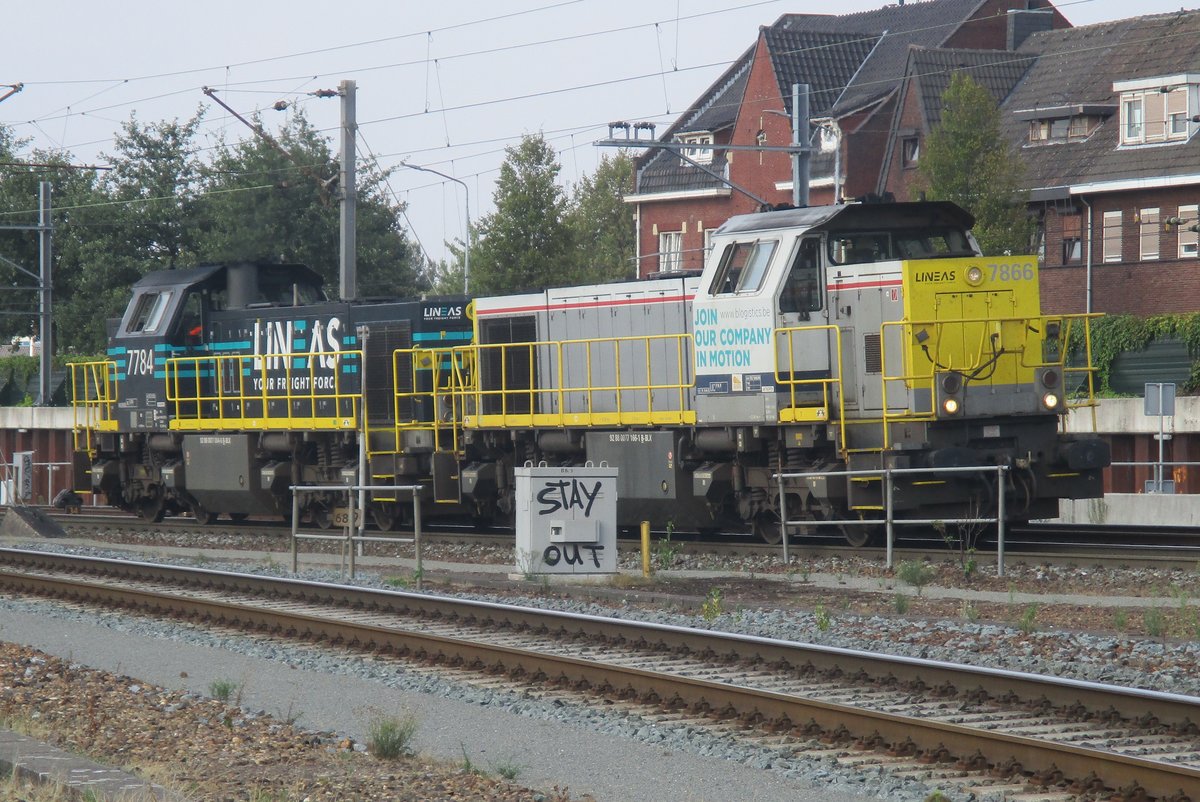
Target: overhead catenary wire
{"x": 546, "y": 93}
{"x": 448, "y": 147}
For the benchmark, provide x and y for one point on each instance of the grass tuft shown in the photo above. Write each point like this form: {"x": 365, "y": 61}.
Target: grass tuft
{"x": 389, "y": 737}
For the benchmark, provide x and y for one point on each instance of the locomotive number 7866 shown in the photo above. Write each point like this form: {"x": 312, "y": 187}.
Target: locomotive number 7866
{"x": 1013, "y": 272}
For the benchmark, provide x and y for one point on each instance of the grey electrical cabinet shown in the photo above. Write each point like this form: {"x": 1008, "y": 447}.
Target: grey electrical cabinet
{"x": 566, "y": 520}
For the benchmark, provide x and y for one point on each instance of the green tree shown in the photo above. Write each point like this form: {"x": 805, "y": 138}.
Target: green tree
{"x": 967, "y": 160}
{"x": 261, "y": 204}
{"x": 526, "y": 244}
{"x": 73, "y": 199}
{"x": 142, "y": 216}
{"x": 445, "y": 276}
{"x": 603, "y": 224}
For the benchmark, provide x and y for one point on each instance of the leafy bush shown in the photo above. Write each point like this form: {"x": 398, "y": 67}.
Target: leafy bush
{"x": 1114, "y": 335}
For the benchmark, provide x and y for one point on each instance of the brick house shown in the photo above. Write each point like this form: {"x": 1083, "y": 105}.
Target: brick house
{"x": 1105, "y": 119}
{"x": 853, "y": 64}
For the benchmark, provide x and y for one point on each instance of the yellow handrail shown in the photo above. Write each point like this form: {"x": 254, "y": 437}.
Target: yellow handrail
{"x": 657, "y": 395}
{"x": 265, "y": 392}
{"x": 796, "y": 410}
{"x": 93, "y": 400}
{"x": 435, "y": 404}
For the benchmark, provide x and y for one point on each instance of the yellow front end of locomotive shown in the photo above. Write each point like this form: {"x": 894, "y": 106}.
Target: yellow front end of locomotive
{"x": 974, "y": 321}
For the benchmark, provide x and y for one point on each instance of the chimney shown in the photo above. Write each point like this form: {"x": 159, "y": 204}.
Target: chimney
{"x": 1023, "y": 23}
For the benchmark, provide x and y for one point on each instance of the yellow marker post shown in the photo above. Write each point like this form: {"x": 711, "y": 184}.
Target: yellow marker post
{"x": 645, "y": 548}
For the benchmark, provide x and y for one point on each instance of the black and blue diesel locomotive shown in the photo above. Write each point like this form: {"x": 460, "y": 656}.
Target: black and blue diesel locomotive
{"x": 857, "y": 337}
{"x": 227, "y": 384}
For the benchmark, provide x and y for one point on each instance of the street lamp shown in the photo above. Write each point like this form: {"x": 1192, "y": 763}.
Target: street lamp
{"x": 467, "y": 206}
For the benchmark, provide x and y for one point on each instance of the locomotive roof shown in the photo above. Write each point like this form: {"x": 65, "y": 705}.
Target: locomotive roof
{"x": 854, "y": 216}
{"x": 189, "y": 276}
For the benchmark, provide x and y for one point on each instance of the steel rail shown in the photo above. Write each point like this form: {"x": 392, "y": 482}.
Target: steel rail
{"x": 776, "y": 711}
{"x": 1172, "y": 545}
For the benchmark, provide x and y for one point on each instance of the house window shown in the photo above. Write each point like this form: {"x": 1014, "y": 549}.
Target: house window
{"x": 1148, "y": 231}
{"x": 1072, "y": 250}
{"x": 1059, "y": 129}
{"x": 1177, "y": 113}
{"x": 708, "y": 232}
{"x": 670, "y": 251}
{"x": 1131, "y": 120}
{"x": 702, "y": 155}
{"x": 1082, "y": 126}
{"x": 1072, "y": 239}
{"x": 1112, "y": 236}
{"x": 1187, "y": 231}
{"x": 912, "y": 151}
{"x": 1155, "y": 115}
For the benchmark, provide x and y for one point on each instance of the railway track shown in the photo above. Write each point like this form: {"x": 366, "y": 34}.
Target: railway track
{"x": 957, "y": 727}
{"x": 1163, "y": 547}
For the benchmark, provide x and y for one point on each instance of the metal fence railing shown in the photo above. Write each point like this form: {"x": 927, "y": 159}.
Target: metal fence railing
{"x": 355, "y": 524}
{"x": 1159, "y": 484}
{"x": 889, "y": 521}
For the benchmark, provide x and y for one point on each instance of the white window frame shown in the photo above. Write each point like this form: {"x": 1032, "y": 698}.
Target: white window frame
{"x": 1148, "y": 235}
{"x": 1129, "y": 134}
{"x": 1188, "y": 240}
{"x": 1163, "y": 114}
{"x": 698, "y": 154}
{"x": 670, "y": 251}
{"x": 1112, "y": 236}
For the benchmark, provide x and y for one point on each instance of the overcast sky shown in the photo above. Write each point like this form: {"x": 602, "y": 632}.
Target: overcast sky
{"x": 445, "y": 85}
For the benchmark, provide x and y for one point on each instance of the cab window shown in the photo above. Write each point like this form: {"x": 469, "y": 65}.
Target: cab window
{"x": 802, "y": 291}
{"x": 860, "y": 248}
{"x": 191, "y": 322}
{"x": 743, "y": 267}
{"x": 148, "y": 314}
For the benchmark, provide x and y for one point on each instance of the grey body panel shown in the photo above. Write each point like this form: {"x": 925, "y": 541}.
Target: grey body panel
{"x": 223, "y": 473}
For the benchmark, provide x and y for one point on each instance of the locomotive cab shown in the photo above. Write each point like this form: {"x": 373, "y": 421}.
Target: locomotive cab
{"x": 171, "y": 314}
{"x": 791, "y": 303}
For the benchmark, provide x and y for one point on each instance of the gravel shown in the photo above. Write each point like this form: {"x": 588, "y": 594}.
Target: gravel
{"x": 1098, "y": 656}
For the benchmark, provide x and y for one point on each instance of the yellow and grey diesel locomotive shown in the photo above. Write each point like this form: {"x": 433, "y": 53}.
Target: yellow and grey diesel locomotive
{"x": 816, "y": 341}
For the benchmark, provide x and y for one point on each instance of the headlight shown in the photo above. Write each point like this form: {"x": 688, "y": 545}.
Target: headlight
{"x": 950, "y": 406}
{"x": 974, "y": 276}
{"x": 1050, "y": 400}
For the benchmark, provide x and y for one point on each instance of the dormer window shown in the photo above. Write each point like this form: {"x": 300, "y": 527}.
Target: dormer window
{"x": 701, "y": 155}
{"x": 1158, "y": 110}
{"x": 1073, "y": 122}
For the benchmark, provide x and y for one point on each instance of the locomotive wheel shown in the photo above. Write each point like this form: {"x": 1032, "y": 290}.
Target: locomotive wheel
{"x": 766, "y": 526}
{"x": 860, "y": 535}
{"x": 322, "y": 518}
{"x": 203, "y": 516}
{"x": 151, "y": 509}
{"x": 386, "y": 516}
